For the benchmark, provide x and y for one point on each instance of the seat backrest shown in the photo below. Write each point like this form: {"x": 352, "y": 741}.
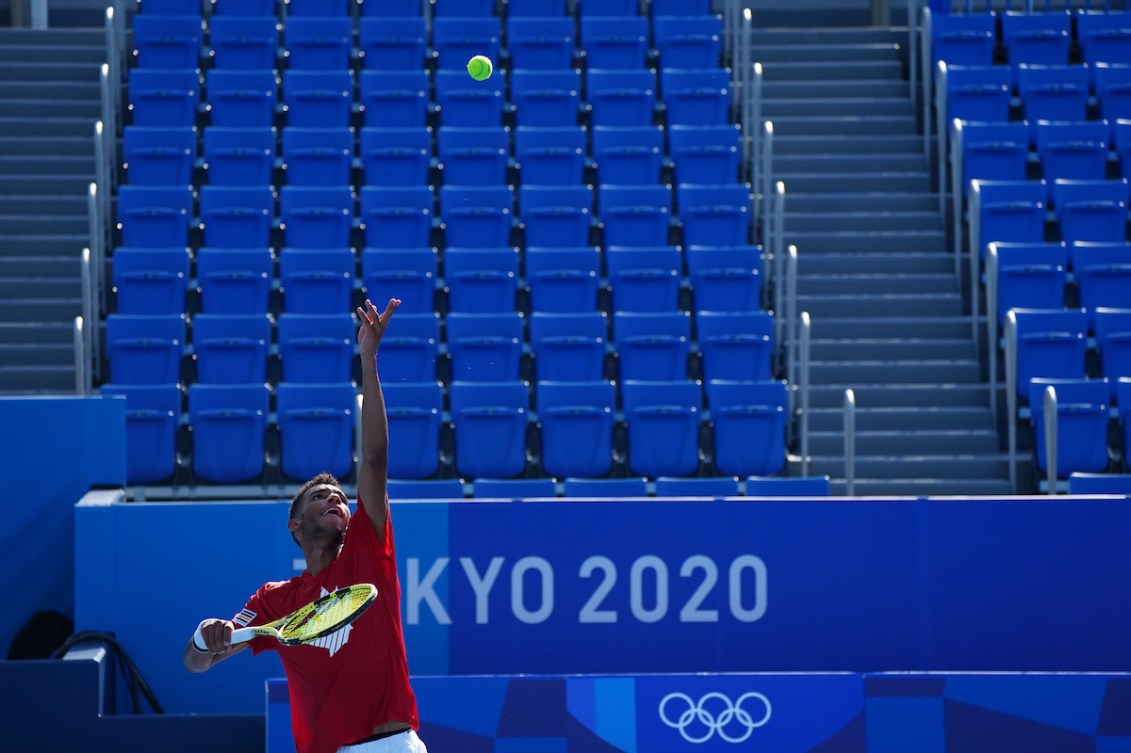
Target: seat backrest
{"x": 514, "y": 488}
{"x": 612, "y": 197}
{"x": 963, "y": 39}
{"x": 507, "y": 326}
{"x": 676, "y": 324}
{"x": 462, "y": 260}
{"x": 319, "y": 43}
{"x": 612, "y": 137}
{"x": 375, "y": 261}
{"x": 781, "y": 486}
{"x": 244, "y": 42}
{"x": 534, "y": 197}
{"x": 553, "y": 394}
{"x": 1100, "y": 483}
{"x": 423, "y": 326}
{"x": 463, "y": 197}
{"x": 599, "y": 81}
{"x": 1037, "y": 321}
{"x": 718, "y": 486}
{"x": 636, "y": 394}
{"x": 226, "y": 326}
{"x": 703, "y": 258}
{"x": 1069, "y": 391}
{"x": 1066, "y": 192}
{"x": 464, "y": 395}
{"x": 587, "y": 258}
{"x": 1111, "y": 321}
{"x": 728, "y": 392}
{"x": 604, "y": 487}
{"x": 622, "y": 259}
{"x": 720, "y": 323}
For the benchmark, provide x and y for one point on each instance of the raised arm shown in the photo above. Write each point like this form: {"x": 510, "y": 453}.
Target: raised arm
{"x": 373, "y": 473}
{"x": 217, "y": 636}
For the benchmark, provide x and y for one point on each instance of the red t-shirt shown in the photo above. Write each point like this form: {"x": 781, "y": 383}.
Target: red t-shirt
{"x": 347, "y": 683}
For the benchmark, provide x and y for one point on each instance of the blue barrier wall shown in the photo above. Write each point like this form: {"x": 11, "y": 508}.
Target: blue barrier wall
{"x": 55, "y": 448}
{"x": 648, "y": 586}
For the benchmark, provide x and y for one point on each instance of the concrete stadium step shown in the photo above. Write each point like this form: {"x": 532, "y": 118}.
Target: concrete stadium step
{"x": 14, "y": 288}
{"x": 902, "y": 395}
{"x": 882, "y": 88}
{"x": 941, "y": 487}
{"x": 40, "y": 266}
{"x": 880, "y": 284}
{"x": 74, "y": 184}
{"x": 876, "y": 201}
{"x": 46, "y": 53}
{"x": 845, "y": 54}
{"x": 983, "y": 466}
{"x": 877, "y": 240}
{"x": 873, "y": 371}
{"x": 53, "y": 37}
{"x": 891, "y": 349}
{"x": 878, "y": 306}
{"x": 28, "y": 354}
{"x": 32, "y": 224}
{"x": 900, "y": 125}
{"x": 843, "y": 163}
{"x": 88, "y": 109}
{"x": 772, "y": 109}
{"x": 46, "y": 245}
{"x": 37, "y": 333}
{"x": 937, "y": 262}
{"x": 777, "y": 36}
{"x": 878, "y": 181}
{"x": 50, "y": 71}
{"x": 71, "y": 205}
{"x": 919, "y": 442}
{"x": 37, "y": 379}
{"x": 47, "y": 145}
{"x": 785, "y": 145}
{"x": 29, "y": 90}
{"x": 41, "y": 309}
{"x": 928, "y": 418}
{"x": 831, "y": 222}
{"x": 909, "y": 327}
{"x": 834, "y": 70}
{"x": 58, "y": 126}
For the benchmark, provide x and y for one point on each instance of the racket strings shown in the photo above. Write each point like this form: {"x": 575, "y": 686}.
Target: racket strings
{"x": 327, "y": 613}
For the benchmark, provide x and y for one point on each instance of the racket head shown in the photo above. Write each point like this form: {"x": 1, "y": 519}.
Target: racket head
{"x": 325, "y": 615}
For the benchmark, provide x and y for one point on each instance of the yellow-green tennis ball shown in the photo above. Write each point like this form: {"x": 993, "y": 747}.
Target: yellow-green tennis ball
{"x": 479, "y": 68}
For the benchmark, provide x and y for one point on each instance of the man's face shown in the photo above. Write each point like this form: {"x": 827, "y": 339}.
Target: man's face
{"x": 324, "y": 514}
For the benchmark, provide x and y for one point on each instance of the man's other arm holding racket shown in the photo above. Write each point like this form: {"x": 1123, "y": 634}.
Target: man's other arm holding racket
{"x": 372, "y": 473}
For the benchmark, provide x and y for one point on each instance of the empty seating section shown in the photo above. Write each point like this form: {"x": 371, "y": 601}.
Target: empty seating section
{"x": 571, "y": 241}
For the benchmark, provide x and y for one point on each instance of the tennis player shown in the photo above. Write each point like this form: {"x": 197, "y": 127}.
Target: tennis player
{"x": 349, "y": 690}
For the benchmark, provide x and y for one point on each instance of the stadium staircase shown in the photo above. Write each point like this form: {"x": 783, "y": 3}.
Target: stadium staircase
{"x": 49, "y": 102}
{"x": 874, "y": 269}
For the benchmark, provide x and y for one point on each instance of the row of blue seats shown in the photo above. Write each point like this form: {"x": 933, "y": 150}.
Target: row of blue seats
{"x": 441, "y": 8}
{"x": 1083, "y": 418}
{"x": 327, "y": 281}
{"x": 1054, "y": 343}
{"x": 227, "y": 349}
{"x": 404, "y": 217}
{"x": 491, "y": 427}
{"x": 402, "y": 99}
{"x": 404, "y": 156}
{"x": 253, "y": 42}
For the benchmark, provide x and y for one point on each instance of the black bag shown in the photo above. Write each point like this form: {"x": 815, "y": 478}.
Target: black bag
{"x": 46, "y": 631}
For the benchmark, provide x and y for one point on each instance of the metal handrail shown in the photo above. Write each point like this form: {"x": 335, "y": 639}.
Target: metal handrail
{"x": 803, "y": 389}
{"x": 941, "y": 134}
{"x": 777, "y": 254}
{"x": 109, "y": 122}
{"x": 1011, "y": 395}
{"x": 766, "y": 169}
{"x": 750, "y": 113}
{"x": 991, "y": 323}
{"x": 79, "y": 340}
{"x": 88, "y": 310}
{"x": 928, "y": 73}
{"x": 97, "y": 245}
{"x": 1050, "y": 408}
{"x": 791, "y": 314}
{"x": 849, "y": 443}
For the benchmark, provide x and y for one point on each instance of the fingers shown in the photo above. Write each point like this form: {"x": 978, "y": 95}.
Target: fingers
{"x": 389, "y": 309}
{"x": 217, "y": 636}
{"x": 371, "y": 316}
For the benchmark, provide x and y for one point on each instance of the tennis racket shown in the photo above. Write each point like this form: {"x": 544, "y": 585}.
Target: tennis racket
{"x": 316, "y": 620}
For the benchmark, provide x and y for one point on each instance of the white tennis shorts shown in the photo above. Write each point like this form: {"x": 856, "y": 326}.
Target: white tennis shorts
{"x": 404, "y": 743}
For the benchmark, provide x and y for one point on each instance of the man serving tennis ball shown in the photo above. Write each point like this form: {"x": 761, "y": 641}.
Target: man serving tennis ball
{"x": 349, "y": 690}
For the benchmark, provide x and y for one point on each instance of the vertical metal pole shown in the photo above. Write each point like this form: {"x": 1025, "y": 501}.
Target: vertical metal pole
{"x": 991, "y": 325}
{"x": 765, "y": 169}
{"x": 1011, "y": 395}
{"x": 752, "y": 117}
{"x": 928, "y": 78}
{"x": 913, "y": 51}
{"x": 941, "y": 135}
{"x": 850, "y": 442}
{"x": 779, "y": 266}
{"x": 80, "y": 357}
{"x": 806, "y": 347}
{"x": 791, "y": 315}
{"x": 88, "y": 312}
{"x": 1051, "y": 417}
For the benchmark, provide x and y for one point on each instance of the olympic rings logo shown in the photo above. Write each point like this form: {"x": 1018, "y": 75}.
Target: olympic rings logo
{"x": 701, "y": 721}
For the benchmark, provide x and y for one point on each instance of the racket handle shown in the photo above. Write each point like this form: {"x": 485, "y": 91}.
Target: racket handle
{"x": 241, "y": 635}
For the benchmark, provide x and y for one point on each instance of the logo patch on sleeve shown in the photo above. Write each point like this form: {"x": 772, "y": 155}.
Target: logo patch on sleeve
{"x": 244, "y": 617}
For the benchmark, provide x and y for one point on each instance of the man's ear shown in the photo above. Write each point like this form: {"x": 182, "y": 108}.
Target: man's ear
{"x": 293, "y": 526}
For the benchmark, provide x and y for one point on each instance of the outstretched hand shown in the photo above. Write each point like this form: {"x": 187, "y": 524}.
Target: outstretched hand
{"x": 373, "y": 325}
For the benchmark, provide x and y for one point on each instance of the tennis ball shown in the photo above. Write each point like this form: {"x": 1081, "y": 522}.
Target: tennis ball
{"x": 479, "y": 68}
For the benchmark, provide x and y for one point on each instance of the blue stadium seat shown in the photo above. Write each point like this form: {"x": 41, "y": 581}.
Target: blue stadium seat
{"x": 1104, "y": 37}
{"x": 621, "y": 97}
{"x": 317, "y": 156}
{"x": 562, "y": 279}
{"x": 396, "y": 156}
{"x": 1041, "y": 38}
{"x": 1053, "y": 92}
{"x": 1121, "y": 141}
{"x": 405, "y": 273}
{"x": 167, "y": 42}
{"x": 316, "y": 281}
{"x": 397, "y": 216}
{"x": 1123, "y": 397}
{"x": 1027, "y": 275}
{"x": 318, "y": 99}
{"x": 244, "y": 43}
{"x": 604, "y": 487}
{"x": 319, "y": 44}
{"x": 316, "y": 217}
{"x": 410, "y": 349}
{"x": 153, "y": 413}
{"x": 1081, "y": 424}
{"x": 607, "y": 7}
{"x": 477, "y": 216}
{"x": 705, "y": 154}
{"x": 316, "y": 428}
{"x": 159, "y": 156}
{"x": 635, "y": 215}
{"x": 414, "y": 412}
{"x": 150, "y": 280}
{"x": 228, "y": 424}
{"x": 556, "y": 216}
{"x": 319, "y": 8}
{"x": 652, "y": 346}
{"x": 145, "y": 349}
{"x": 490, "y": 420}
{"x": 686, "y": 41}
{"x": 237, "y": 217}
{"x": 1113, "y": 343}
{"x": 781, "y": 486}
{"x": 1003, "y": 210}
{"x": 458, "y": 39}
{"x": 536, "y": 7}
{"x": 468, "y": 103}
{"x": 679, "y": 7}
{"x": 242, "y": 99}
{"x": 394, "y": 99}
{"x": 1074, "y": 150}
{"x": 1103, "y": 276}
{"x": 577, "y": 420}
{"x": 614, "y": 42}
{"x": 725, "y": 278}
{"x": 546, "y": 98}
{"x": 163, "y": 98}
{"x": 316, "y": 347}
{"x": 569, "y": 347}
{"x": 695, "y": 96}
{"x": 234, "y": 281}
{"x": 735, "y": 345}
{"x": 473, "y": 156}
{"x": 714, "y": 215}
{"x": 550, "y": 155}
{"x": 439, "y": 488}
{"x": 716, "y": 486}
{"x": 514, "y": 488}
{"x": 231, "y": 349}
{"x": 245, "y": 8}
{"x": 1050, "y": 344}
{"x": 1090, "y": 210}
{"x": 172, "y": 8}
{"x": 392, "y": 44}
{"x": 464, "y": 8}
{"x": 963, "y": 39}
{"x": 644, "y": 279}
{"x": 978, "y": 93}
{"x": 485, "y": 347}
{"x": 239, "y": 156}
{"x": 628, "y": 155}
{"x": 663, "y": 426}
{"x": 544, "y": 43}
{"x": 749, "y": 420}
{"x": 481, "y": 280}
{"x": 392, "y": 8}
{"x": 1113, "y": 90}
{"x": 154, "y": 216}
{"x": 1100, "y": 483}
{"x": 993, "y": 151}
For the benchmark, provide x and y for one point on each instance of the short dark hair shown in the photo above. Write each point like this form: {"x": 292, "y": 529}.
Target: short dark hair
{"x": 300, "y": 495}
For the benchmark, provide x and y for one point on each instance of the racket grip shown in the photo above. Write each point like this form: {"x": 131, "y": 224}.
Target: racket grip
{"x": 242, "y": 635}
{"x": 198, "y": 640}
